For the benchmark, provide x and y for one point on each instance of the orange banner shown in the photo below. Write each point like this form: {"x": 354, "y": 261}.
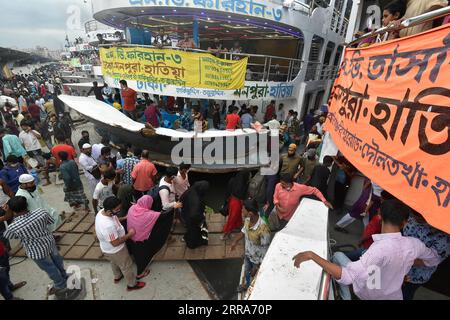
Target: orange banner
{"x": 390, "y": 116}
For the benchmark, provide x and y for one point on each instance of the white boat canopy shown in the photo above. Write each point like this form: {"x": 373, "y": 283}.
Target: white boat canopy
{"x": 105, "y": 113}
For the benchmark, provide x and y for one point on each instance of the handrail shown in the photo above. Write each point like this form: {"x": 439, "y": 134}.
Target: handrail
{"x": 201, "y": 51}
{"x": 411, "y": 22}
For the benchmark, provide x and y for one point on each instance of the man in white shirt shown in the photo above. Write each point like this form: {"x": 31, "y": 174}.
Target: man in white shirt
{"x": 273, "y": 124}
{"x": 280, "y": 112}
{"x": 168, "y": 197}
{"x": 22, "y": 103}
{"x": 87, "y": 163}
{"x": 29, "y": 139}
{"x": 103, "y": 190}
{"x": 319, "y": 125}
{"x": 112, "y": 237}
{"x": 97, "y": 148}
{"x": 181, "y": 181}
{"x": 50, "y": 87}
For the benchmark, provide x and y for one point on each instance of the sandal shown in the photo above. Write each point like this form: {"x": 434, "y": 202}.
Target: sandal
{"x": 118, "y": 280}
{"x": 137, "y": 286}
{"x": 19, "y": 285}
{"x": 146, "y": 273}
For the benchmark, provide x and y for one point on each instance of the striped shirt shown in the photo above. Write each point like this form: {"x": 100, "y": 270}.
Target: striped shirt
{"x": 32, "y": 230}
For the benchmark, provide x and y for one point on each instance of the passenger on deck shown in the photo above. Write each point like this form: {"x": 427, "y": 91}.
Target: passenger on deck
{"x": 129, "y": 100}
{"x": 392, "y": 11}
{"x": 162, "y": 40}
{"x": 257, "y": 241}
{"x": 270, "y": 112}
{"x": 418, "y": 7}
{"x": 193, "y": 215}
{"x": 287, "y": 197}
{"x": 233, "y": 121}
{"x": 181, "y": 181}
{"x": 152, "y": 114}
{"x": 236, "y": 193}
{"x": 187, "y": 42}
{"x": 143, "y": 175}
{"x": 390, "y": 246}
{"x": 73, "y": 187}
{"x": 112, "y": 237}
{"x": 152, "y": 230}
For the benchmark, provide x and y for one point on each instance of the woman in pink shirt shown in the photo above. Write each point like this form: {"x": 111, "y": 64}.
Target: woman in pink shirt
{"x": 152, "y": 230}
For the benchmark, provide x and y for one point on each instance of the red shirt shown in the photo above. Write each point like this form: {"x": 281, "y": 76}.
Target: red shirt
{"x": 63, "y": 147}
{"x": 2, "y": 248}
{"x": 35, "y": 111}
{"x": 232, "y": 121}
{"x": 143, "y": 174}
{"x": 269, "y": 113}
{"x": 129, "y": 99}
{"x": 374, "y": 227}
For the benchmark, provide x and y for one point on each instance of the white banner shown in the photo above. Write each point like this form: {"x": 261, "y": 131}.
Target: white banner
{"x": 252, "y": 90}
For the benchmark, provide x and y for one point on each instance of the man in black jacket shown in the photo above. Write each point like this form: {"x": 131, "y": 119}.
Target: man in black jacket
{"x": 320, "y": 175}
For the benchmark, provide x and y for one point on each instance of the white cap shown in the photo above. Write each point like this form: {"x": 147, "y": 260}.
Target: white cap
{"x": 86, "y": 146}
{"x": 15, "y": 109}
{"x": 26, "y": 178}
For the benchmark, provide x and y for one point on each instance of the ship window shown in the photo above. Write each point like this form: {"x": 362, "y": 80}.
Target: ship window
{"x": 314, "y": 58}
{"x": 319, "y": 98}
{"x": 337, "y": 58}
{"x": 328, "y": 52}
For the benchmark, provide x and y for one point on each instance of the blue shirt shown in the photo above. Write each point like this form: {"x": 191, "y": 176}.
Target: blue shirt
{"x": 246, "y": 120}
{"x": 11, "y": 176}
{"x": 433, "y": 239}
{"x": 120, "y": 163}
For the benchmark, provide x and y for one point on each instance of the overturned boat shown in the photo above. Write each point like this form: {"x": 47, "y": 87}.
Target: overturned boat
{"x": 209, "y": 151}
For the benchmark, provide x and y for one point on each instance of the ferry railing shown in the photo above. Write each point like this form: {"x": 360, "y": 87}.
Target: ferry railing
{"x": 407, "y": 23}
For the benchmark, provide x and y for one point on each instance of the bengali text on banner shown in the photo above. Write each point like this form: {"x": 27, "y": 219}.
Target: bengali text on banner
{"x": 390, "y": 116}
{"x": 173, "y": 67}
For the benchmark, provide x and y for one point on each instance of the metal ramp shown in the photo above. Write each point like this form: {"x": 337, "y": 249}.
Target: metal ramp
{"x": 78, "y": 241}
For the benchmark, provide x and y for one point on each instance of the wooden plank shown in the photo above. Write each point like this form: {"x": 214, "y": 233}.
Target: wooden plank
{"x": 174, "y": 253}
{"x": 94, "y": 253}
{"x": 86, "y": 240}
{"x": 215, "y": 252}
{"x": 194, "y": 254}
{"x": 76, "y": 252}
{"x": 69, "y": 239}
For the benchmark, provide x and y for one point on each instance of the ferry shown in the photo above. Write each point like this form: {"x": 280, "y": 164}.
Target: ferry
{"x": 293, "y": 50}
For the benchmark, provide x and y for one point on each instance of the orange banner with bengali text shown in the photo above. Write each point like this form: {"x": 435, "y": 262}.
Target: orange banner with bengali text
{"x": 389, "y": 115}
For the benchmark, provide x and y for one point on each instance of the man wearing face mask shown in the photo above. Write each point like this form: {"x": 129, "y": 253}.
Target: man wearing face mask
{"x": 287, "y": 197}
{"x": 11, "y": 172}
{"x": 28, "y": 190}
{"x": 103, "y": 190}
{"x": 112, "y": 237}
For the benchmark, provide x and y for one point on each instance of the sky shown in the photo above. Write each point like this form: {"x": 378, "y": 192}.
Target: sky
{"x": 28, "y": 23}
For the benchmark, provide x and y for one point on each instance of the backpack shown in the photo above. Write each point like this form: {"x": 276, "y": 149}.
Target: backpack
{"x": 257, "y": 188}
{"x": 154, "y": 193}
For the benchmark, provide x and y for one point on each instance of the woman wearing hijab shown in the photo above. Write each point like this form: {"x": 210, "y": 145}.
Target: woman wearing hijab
{"x": 193, "y": 215}
{"x": 237, "y": 191}
{"x": 152, "y": 230}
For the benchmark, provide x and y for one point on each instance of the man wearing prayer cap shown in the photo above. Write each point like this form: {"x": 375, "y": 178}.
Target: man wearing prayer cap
{"x": 28, "y": 190}
{"x": 307, "y": 166}
{"x": 88, "y": 163}
{"x": 291, "y": 161}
